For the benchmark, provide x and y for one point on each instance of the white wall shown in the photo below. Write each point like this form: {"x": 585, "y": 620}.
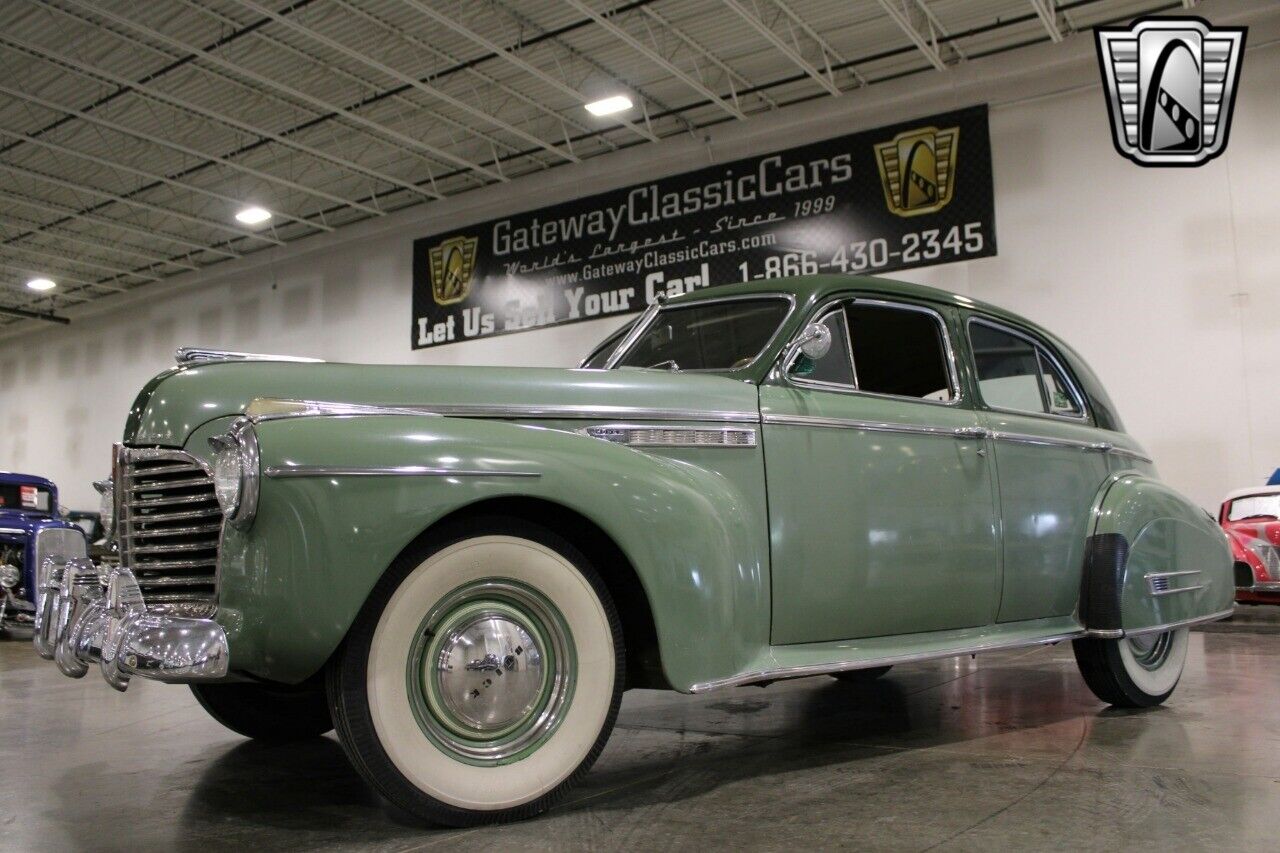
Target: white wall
{"x": 1166, "y": 280}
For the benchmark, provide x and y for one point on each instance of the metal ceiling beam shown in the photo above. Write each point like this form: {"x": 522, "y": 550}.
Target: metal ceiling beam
{"x": 397, "y": 94}
{"x": 785, "y": 49}
{"x": 1044, "y": 11}
{"x": 34, "y": 315}
{"x": 76, "y": 186}
{"x": 152, "y": 176}
{"x": 425, "y": 88}
{"x": 708, "y": 55}
{"x": 470, "y": 70}
{"x": 936, "y": 26}
{"x": 151, "y": 233}
{"x": 74, "y": 260}
{"x": 520, "y": 63}
{"x": 183, "y": 149}
{"x": 43, "y": 229}
{"x": 212, "y": 115}
{"x": 823, "y": 44}
{"x": 900, "y": 18}
{"x": 656, "y": 58}
{"x": 20, "y": 271}
{"x": 377, "y": 128}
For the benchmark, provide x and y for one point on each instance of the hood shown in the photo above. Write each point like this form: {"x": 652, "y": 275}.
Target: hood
{"x": 177, "y": 402}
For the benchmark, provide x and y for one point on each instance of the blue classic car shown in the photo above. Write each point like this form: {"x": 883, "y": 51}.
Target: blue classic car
{"x": 31, "y": 528}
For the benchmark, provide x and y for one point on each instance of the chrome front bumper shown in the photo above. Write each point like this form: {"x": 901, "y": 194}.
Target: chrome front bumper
{"x": 86, "y": 614}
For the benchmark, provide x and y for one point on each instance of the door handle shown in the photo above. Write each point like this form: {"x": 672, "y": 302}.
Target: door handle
{"x": 972, "y": 433}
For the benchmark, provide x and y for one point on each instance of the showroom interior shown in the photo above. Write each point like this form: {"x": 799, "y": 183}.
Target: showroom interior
{"x": 286, "y": 176}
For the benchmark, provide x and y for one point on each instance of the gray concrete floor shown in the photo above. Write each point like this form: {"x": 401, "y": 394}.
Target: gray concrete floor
{"x": 1008, "y": 751}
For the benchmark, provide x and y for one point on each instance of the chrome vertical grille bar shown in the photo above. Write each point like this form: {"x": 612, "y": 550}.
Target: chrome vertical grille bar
{"x": 169, "y": 529}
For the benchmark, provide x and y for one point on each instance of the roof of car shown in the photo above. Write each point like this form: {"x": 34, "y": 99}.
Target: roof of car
{"x": 815, "y": 288}
{"x": 25, "y": 479}
{"x": 821, "y": 285}
{"x": 1250, "y": 492}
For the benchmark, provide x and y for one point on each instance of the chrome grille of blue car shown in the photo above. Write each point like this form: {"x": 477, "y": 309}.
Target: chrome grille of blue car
{"x": 169, "y": 528}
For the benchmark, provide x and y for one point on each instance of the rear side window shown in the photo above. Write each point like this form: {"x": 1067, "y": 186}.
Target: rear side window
{"x": 899, "y": 351}
{"x": 1017, "y": 374}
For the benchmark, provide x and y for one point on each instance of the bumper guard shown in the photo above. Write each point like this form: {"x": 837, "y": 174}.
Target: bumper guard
{"x": 85, "y": 616}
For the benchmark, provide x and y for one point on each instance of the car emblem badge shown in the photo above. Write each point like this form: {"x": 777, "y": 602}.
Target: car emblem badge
{"x": 1171, "y": 86}
{"x": 917, "y": 169}
{"x": 452, "y": 263}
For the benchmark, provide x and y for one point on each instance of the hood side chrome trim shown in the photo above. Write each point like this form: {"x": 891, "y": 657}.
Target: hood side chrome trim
{"x": 316, "y": 408}
{"x": 194, "y": 355}
{"x": 276, "y": 471}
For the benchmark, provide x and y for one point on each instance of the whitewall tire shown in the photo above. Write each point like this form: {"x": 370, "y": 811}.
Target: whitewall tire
{"x": 1135, "y": 671}
{"x": 483, "y": 676}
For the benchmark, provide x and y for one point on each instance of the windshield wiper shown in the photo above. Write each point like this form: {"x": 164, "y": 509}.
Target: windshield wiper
{"x": 669, "y": 364}
{"x": 1256, "y": 515}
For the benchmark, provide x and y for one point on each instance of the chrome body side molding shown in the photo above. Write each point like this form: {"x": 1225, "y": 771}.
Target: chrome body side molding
{"x": 277, "y": 471}
{"x": 638, "y": 435}
{"x": 194, "y": 355}
{"x": 266, "y": 409}
{"x": 868, "y": 426}
{"x": 1159, "y": 583}
{"x": 962, "y": 433}
{"x": 1171, "y": 626}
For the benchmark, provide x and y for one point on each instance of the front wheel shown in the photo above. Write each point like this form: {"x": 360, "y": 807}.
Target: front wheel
{"x": 1133, "y": 672}
{"x": 482, "y": 677}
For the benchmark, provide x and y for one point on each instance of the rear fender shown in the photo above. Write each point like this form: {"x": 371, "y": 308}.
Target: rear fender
{"x": 1154, "y": 559}
{"x": 292, "y": 584}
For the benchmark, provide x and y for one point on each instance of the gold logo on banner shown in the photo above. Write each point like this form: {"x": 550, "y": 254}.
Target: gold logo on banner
{"x": 452, "y": 263}
{"x": 917, "y": 169}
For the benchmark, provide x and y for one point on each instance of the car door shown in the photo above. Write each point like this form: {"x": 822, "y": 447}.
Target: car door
{"x": 1049, "y": 466}
{"x": 881, "y": 503}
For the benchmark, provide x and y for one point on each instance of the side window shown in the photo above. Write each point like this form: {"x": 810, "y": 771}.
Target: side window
{"x": 1014, "y": 373}
{"x": 898, "y": 351}
{"x": 834, "y": 367}
{"x": 1061, "y": 401}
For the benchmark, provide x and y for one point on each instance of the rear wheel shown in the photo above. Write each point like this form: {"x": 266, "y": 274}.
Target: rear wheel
{"x": 483, "y": 676}
{"x": 856, "y": 676}
{"x": 1133, "y": 672}
{"x": 268, "y": 711}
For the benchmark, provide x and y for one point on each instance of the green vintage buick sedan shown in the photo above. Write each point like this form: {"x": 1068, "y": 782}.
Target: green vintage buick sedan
{"x": 461, "y": 569}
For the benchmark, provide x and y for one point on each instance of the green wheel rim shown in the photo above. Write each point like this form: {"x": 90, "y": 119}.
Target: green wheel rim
{"x": 491, "y": 673}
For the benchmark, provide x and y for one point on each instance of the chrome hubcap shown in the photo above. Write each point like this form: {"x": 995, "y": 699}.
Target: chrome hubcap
{"x": 489, "y": 672}
{"x": 492, "y": 673}
{"x": 1151, "y": 650}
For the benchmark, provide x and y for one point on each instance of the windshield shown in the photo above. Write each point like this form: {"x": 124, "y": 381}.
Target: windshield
{"x": 708, "y": 336}
{"x": 25, "y": 498}
{"x": 1254, "y": 506}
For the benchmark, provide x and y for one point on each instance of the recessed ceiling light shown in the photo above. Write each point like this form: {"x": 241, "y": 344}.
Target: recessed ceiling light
{"x": 42, "y": 284}
{"x": 253, "y": 215}
{"x": 609, "y": 106}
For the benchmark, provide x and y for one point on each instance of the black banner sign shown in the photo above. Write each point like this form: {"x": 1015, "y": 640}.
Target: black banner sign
{"x": 909, "y": 195}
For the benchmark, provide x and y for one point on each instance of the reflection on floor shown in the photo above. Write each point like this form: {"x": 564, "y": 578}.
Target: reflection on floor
{"x": 1008, "y": 751}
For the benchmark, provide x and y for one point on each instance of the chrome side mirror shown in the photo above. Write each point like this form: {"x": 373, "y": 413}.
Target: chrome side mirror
{"x": 814, "y": 341}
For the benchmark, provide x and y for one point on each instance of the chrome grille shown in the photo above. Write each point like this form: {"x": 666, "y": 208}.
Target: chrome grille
{"x": 169, "y": 528}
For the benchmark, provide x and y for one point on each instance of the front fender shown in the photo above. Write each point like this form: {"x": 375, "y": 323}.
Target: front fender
{"x": 1155, "y": 559}
{"x": 292, "y": 584}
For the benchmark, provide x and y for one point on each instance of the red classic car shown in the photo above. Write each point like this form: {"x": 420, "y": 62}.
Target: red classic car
{"x": 1251, "y": 518}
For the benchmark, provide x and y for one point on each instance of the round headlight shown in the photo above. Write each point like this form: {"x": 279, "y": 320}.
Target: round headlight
{"x": 235, "y": 472}
{"x": 227, "y": 476}
{"x": 106, "y": 506}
